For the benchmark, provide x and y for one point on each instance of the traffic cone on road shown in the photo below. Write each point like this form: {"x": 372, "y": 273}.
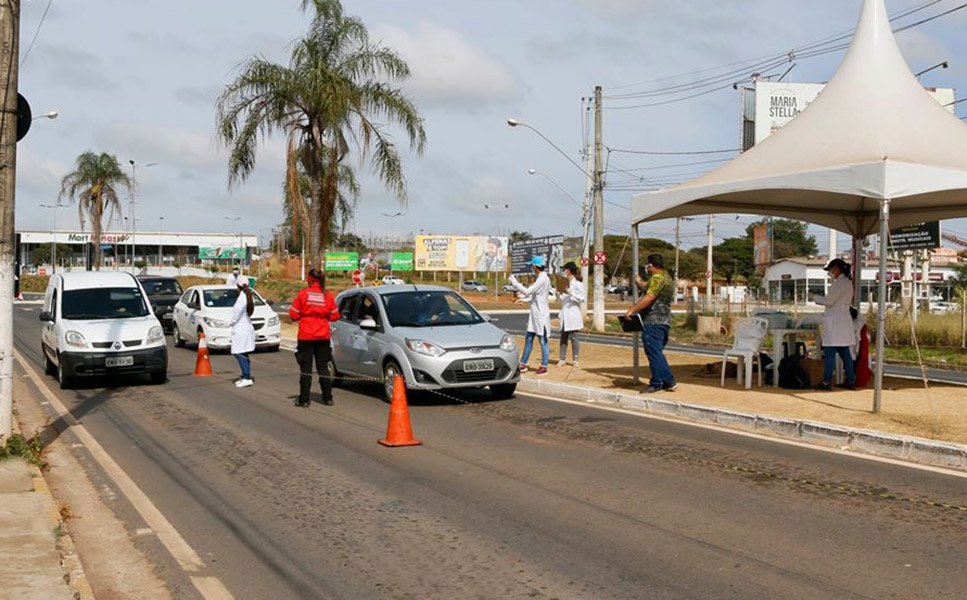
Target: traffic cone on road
{"x": 203, "y": 366}
{"x": 399, "y": 432}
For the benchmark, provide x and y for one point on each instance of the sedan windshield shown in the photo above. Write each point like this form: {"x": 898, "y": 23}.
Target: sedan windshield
{"x": 103, "y": 303}
{"x": 226, "y": 298}
{"x": 429, "y": 309}
{"x": 162, "y": 287}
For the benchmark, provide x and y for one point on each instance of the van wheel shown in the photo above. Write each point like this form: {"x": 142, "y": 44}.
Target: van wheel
{"x": 504, "y": 391}
{"x": 50, "y": 369}
{"x": 159, "y": 377}
{"x": 390, "y": 371}
{"x": 66, "y": 381}
{"x": 176, "y": 334}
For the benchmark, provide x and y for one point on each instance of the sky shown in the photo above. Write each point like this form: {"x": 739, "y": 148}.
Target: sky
{"x": 139, "y": 79}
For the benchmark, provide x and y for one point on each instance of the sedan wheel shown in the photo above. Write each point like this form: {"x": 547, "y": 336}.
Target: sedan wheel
{"x": 176, "y": 334}
{"x": 390, "y": 371}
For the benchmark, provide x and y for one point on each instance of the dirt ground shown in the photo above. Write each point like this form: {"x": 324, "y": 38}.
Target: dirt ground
{"x": 937, "y": 413}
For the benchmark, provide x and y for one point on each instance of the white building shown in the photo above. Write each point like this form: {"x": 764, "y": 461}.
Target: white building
{"x": 152, "y": 248}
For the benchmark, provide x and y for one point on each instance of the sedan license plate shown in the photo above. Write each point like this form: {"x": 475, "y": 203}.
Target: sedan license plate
{"x": 167, "y": 316}
{"x": 476, "y": 366}
{"x": 119, "y": 361}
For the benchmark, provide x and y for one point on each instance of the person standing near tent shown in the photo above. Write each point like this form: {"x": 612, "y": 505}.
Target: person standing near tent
{"x": 234, "y": 278}
{"x": 572, "y": 319}
{"x": 839, "y": 331}
{"x": 539, "y": 323}
{"x": 243, "y": 332}
{"x": 314, "y": 308}
{"x": 655, "y": 312}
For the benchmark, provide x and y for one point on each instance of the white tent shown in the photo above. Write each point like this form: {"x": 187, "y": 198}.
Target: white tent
{"x": 874, "y": 147}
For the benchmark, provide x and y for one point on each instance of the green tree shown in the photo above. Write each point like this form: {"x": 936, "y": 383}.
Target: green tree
{"x": 93, "y": 184}
{"x": 959, "y": 281}
{"x": 349, "y": 241}
{"x": 297, "y": 205}
{"x": 789, "y": 238}
{"x": 42, "y": 255}
{"x": 520, "y": 236}
{"x": 336, "y": 92}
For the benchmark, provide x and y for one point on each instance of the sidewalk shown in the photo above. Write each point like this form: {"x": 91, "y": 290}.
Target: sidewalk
{"x": 30, "y": 564}
{"x": 938, "y": 413}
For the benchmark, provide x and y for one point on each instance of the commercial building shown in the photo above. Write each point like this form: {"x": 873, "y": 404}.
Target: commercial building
{"x": 129, "y": 248}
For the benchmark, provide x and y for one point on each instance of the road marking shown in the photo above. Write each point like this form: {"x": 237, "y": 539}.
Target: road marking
{"x": 210, "y": 588}
{"x": 757, "y": 436}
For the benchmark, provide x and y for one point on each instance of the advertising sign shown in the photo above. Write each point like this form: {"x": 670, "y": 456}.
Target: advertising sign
{"x": 776, "y": 104}
{"x": 342, "y": 261}
{"x": 916, "y": 237}
{"x": 550, "y": 247}
{"x": 479, "y": 254}
{"x": 401, "y": 261}
{"x": 762, "y": 236}
{"x": 220, "y": 252}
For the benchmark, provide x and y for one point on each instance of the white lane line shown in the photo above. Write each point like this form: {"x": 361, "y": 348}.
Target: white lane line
{"x": 210, "y": 588}
{"x": 757, "y": 436}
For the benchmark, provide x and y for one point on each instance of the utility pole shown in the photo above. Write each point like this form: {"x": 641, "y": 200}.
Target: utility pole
{"x": 678, "y": 243}
{"x": 708, "y": 268}
{"x": 588, "y": 198}
{"x": 9, "y": 61}
{"x": 598, "y": 214}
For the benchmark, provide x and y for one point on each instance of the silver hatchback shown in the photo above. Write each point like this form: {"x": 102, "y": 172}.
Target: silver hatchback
{"x": 430, "y": 335}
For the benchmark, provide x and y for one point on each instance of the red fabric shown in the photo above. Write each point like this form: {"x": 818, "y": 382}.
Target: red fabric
{"x": 314, "y": 309}
{"x": 863, "y": 372}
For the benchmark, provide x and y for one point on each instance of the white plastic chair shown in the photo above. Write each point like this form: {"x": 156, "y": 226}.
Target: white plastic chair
{"x": 749, "y": 334}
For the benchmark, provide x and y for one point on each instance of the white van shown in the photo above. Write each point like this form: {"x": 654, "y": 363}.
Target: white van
{"x": 97, "y": 324}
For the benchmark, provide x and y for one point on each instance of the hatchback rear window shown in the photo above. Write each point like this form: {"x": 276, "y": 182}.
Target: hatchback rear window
{"x": 103, "y": 303}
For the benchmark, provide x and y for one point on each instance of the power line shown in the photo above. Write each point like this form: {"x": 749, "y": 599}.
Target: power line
{"x": 682, "y": 153}
{"x": 36, "y": 33}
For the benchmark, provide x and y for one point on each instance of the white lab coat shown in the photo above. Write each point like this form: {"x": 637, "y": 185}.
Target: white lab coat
{"x": 572, "y": 319}
{"x": 243, "y": 333}
{"x": 838, "y": 326}
{"x": 537, "y": 294}
{"x": 232, "y": 279}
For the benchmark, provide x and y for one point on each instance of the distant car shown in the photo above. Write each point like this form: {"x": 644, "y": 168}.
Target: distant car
{"x": 944, "y": 307}
{"x": 163, "y": 292}
{"x": 473, "y": 286}
{"x": 208, "y": 309}
{"x": 392, "y": 280}
{"x": 508, "y": 289}
{"x": 429, "y": 335}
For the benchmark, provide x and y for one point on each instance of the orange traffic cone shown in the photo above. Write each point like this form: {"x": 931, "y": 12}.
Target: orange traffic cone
{"x": 399, "y": 432}
{"x": 203, "y": 366}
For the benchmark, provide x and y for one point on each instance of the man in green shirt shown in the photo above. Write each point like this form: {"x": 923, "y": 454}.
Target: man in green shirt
{"x": 655, "y": 310}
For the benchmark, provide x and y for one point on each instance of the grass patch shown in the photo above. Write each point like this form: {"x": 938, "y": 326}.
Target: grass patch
{"x": 30, "y": 449}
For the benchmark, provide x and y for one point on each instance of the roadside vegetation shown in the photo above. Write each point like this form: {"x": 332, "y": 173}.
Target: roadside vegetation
{"x": 31, "y": 449}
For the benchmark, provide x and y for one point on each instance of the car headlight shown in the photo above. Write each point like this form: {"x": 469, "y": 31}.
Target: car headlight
{"x": 273, "y": 321}
{"x": 508, "y": 344}
{"x": 155, "y": 335}
{"x": 427, "y": 348}
{"x": 75, "y": 339}
{"x": 216, "y": 323}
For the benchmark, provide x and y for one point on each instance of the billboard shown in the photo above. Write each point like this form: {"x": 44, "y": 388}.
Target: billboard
{"x": 219, "y": 252}
{"x": 762, "y": 236}
{"x": 550, "y": 247}
{"x": 774, "y": 104}
{"x": 401, "y": 261}
{"x": 341, "y": 261}
{"x": 475, "y": 253}
{"x": 916, "y": 237}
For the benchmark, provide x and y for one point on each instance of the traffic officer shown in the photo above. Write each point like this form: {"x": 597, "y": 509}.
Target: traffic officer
{"x": 314, "y": 308}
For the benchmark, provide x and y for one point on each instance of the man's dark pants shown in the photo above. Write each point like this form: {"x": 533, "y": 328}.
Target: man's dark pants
{"x": 654, "y": 338}
{"x": 321, "y": 352}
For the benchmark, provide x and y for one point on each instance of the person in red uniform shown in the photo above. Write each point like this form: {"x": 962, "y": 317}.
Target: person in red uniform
{"x": 314, "y": 308}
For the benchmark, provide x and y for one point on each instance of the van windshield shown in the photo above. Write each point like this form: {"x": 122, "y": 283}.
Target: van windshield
{"x": 103, "y": 303}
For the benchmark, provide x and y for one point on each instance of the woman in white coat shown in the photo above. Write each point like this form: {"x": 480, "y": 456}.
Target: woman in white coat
{"x": 572, "y": 319}
{"x": 839, "y": 330}
{"x": 243, "y": 333}
{"x": 539, "y": 323}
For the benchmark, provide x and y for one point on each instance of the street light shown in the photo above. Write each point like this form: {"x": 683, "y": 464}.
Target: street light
{"x": 51, "y": 115}
{"x": 235, "y": 220}
{"x": 161, "y": 241}
{"x": 53, "y": 233}
{"x": 496, "y": 209}
{"x": 134, "y": 216}
{"x": 392, "y": 234}
{"x": 944, "y": 65}
{"x": 516, "y": 123}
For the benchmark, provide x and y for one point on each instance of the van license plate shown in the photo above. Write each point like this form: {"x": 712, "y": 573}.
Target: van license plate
{"x": 476, "y": 366}
{"x": 119, "y": 361}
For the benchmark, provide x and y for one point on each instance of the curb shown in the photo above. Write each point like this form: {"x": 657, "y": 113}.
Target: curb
{"x": 905, "y": 448}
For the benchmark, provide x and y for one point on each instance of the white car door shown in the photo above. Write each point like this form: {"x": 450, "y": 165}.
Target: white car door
{"x": 48, "y": 335}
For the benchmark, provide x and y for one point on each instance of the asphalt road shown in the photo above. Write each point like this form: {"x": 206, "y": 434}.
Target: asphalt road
{"x": 517, "y": 323}
{"x": 528, "y": 498}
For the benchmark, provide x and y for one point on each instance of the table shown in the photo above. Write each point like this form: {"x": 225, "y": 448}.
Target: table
{"x": 779, "y": 337}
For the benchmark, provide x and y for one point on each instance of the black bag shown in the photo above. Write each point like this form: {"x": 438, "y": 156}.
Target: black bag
{"x": 791, "y": 375}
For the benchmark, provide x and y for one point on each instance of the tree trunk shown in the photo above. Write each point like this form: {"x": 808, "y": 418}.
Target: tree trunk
{"x": 327, "y": 201}
{"x": 96, "y": 227}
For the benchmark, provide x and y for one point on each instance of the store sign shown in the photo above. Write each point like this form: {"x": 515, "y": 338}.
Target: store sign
{"x": 217, "y": 253}
{"x": 550, "y": 247}
{"x": 106, "y": 238}
{"x": 480, "y": 254}
{"x": 401, "y": 261}
{"x": 918, "y": 236}
{"x": 342, "y": 261}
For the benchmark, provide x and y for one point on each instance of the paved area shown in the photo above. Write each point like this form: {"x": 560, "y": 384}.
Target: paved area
{"x": 29, "y": 561}
{"x": 529, "y": 498}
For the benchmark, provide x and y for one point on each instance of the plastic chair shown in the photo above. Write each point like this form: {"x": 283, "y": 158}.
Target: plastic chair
{"x": 749, "y": 334}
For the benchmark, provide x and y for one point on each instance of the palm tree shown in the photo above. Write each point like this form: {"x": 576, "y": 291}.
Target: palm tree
{"x": 336, "y": 89}
{"x": 298, "y": 205}
{"x": 93, "y": 185}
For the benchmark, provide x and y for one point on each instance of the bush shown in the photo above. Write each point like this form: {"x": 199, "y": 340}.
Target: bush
{"x": 30, "y": 449}
{"x": 932, "y": 330}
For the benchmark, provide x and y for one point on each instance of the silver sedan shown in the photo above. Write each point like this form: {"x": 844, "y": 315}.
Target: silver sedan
{"x": 430, "y": 335}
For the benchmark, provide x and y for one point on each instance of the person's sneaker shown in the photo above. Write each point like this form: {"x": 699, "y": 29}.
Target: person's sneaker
{"x": 575, "y": 363}
{"x": 327, "y": 401}
{"x": 299, "y": 402}
{"x": 244, "y": 383}
{"x": 561, "y": 363}
{"x": 823, "y": 387}
{"x": 523, "y": 368}
{"x": 541, "y": 371}
{"x": 846, "y": 386}
{"x": 652, "y": 389}
{"x": 669, "y": 388}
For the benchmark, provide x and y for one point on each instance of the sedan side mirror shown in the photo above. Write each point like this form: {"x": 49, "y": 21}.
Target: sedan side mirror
{"x": 46, "y": 317}
{"x": 368, "y": 323}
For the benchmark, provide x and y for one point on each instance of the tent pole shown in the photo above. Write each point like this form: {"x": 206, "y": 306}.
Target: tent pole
{"x": 635, "y": 368}
{"x": 858, "y": 271}
{"x": 881, "y": 302}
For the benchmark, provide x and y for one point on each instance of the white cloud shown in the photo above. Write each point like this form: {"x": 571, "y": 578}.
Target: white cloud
{"x": 446, "y": 69}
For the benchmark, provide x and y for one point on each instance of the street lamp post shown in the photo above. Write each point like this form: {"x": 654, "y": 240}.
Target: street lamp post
{"x": 51, "y": 115}
{"x": 161, "y": 242}
{"x": 496, "y": 209}
{"x": 392, "y": 233}
{"x": 134, "y": 215}
{"x": 235, "y": 220}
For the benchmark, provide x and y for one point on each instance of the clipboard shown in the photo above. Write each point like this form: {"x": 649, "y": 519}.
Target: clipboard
{"x": 632, "y": 325}
{"x": 561, "y": 284}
